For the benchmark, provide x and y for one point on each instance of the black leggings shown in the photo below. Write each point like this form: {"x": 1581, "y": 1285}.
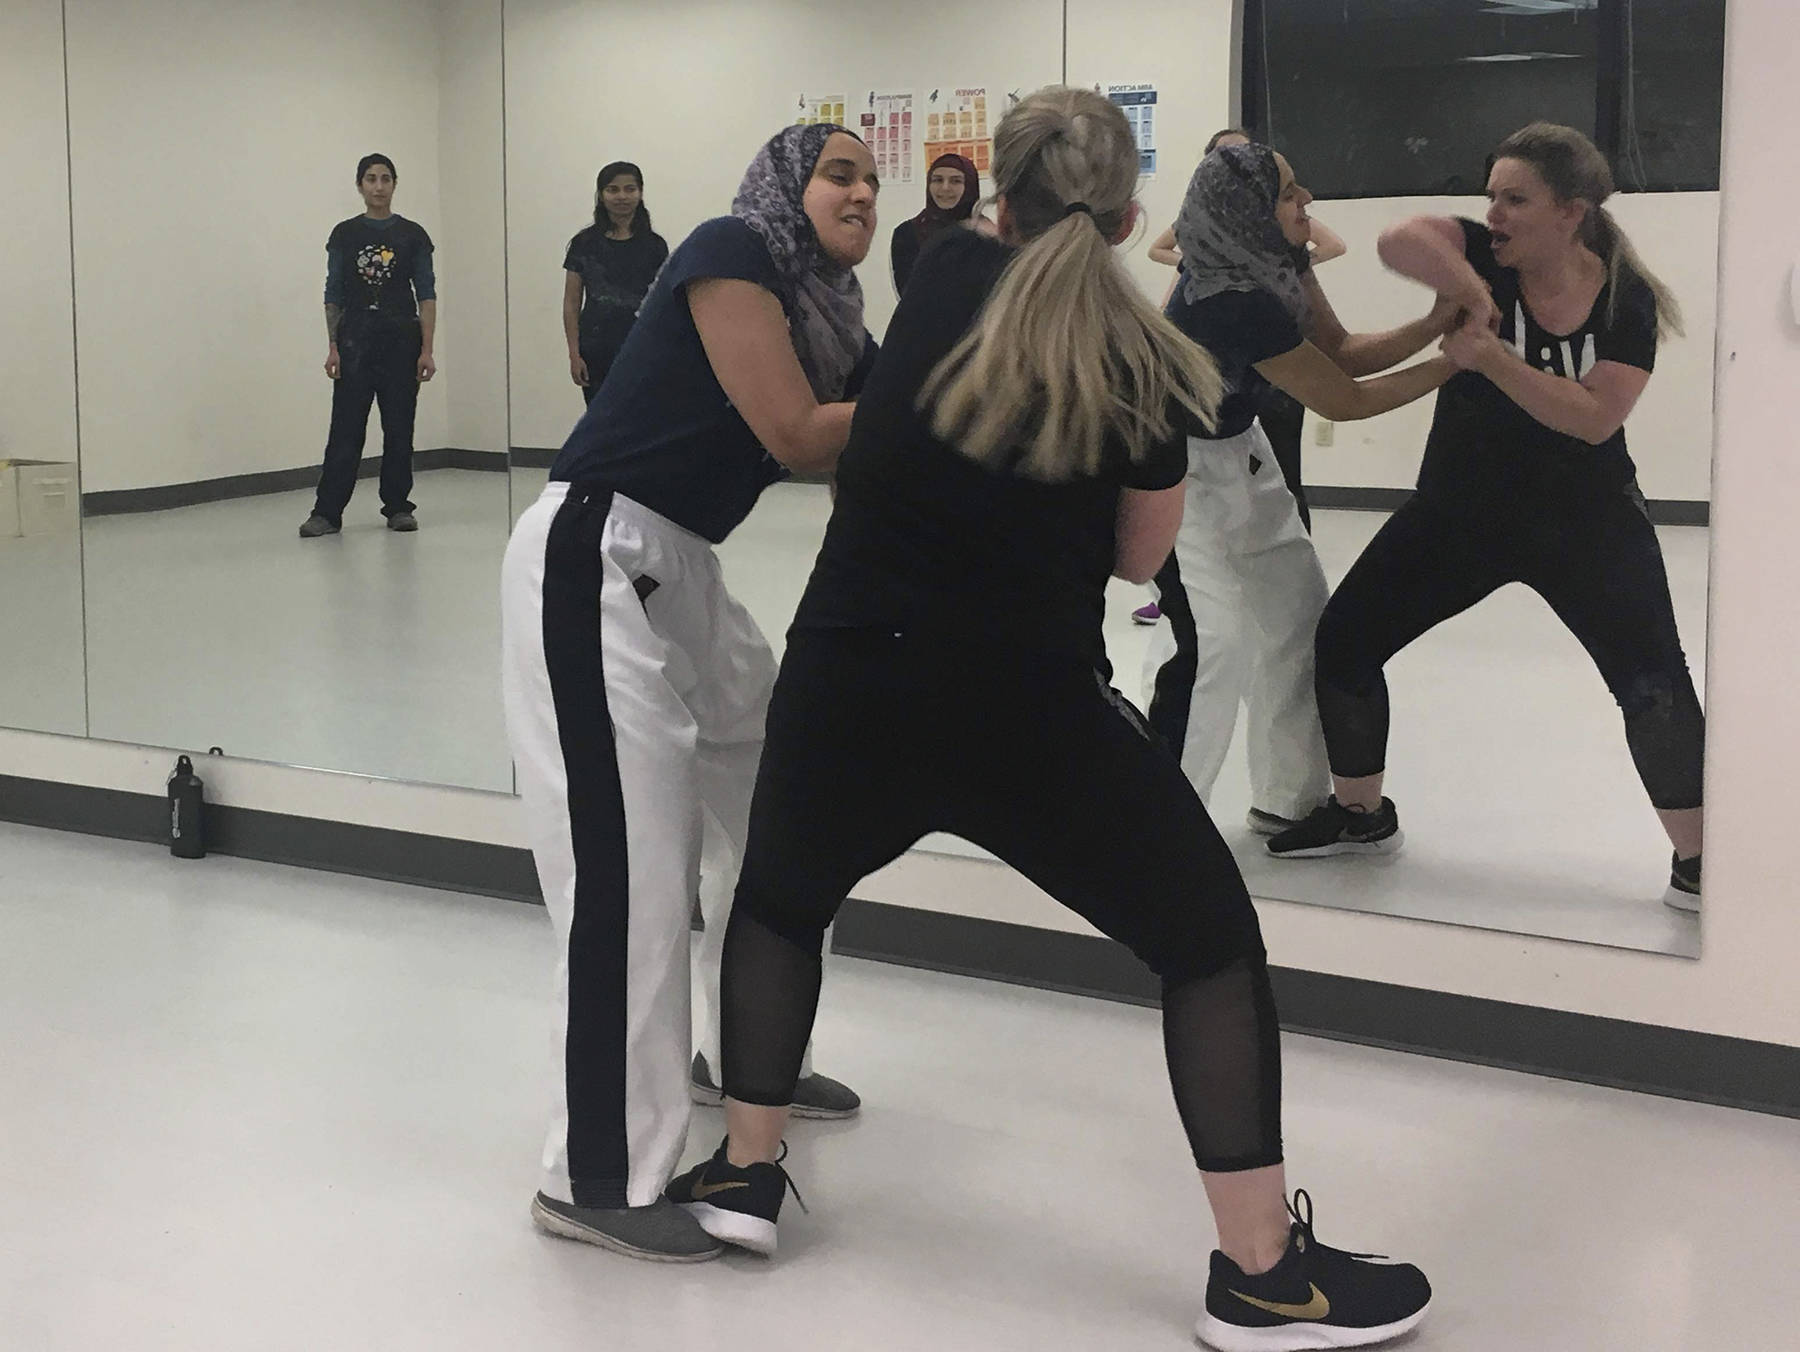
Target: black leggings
{"x": 876, "y": 739}
{"x": 1599, "y": 566}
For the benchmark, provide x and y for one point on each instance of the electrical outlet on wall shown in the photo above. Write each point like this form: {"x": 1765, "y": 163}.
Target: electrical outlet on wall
{"x": 1324, "y": 432}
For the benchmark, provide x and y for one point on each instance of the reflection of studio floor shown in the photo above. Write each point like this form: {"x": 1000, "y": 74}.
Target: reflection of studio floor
{"x": 1508, "y": 761}
{"x": 257, "y": 1098}
{"x": 369, "y": 651}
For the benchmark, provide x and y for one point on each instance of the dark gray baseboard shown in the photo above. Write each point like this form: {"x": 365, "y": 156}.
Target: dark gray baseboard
{"x": 114, "y": 502}
{"x": 1647, "y": 1058}
{"x": 1663, "y": 511}
{"x": 533, "y": 457}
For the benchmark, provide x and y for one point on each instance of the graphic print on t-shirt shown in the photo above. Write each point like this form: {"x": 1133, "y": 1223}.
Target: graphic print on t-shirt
{"x": 375, "y": 263}
{"x": 1571, "y": 357}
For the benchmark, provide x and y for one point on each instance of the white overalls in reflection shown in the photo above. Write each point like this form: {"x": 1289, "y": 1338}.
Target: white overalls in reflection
{"x": 1253, "y": 592}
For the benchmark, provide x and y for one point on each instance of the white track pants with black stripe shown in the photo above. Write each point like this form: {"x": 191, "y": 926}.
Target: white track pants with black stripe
{"x": 636, "y": 690}
{"x": 1241, "y": 630}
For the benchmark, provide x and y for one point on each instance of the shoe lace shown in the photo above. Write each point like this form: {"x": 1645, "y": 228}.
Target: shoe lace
{"x": 1301, "y": 1209}
{"x": 789, "y": 1180}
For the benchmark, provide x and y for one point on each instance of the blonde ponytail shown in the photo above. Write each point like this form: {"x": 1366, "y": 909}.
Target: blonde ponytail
{"x": 1067, "y": 356}
{"x": 1622, "y": 261}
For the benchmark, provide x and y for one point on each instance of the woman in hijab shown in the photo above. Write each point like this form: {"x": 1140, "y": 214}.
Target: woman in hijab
{"x": 1244, "y": 590}
{"x": 636, "y": 686}
{"x": 951, "y": 190}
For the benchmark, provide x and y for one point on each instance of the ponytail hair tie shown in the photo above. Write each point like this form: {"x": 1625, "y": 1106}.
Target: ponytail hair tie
{"x": 1074, "y": 207}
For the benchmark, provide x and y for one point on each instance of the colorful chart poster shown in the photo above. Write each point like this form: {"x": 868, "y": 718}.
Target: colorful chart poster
{"x": 821, "y": 108}
{"x": 1138, "y": 103}
{"x": 887, "y": 126}
{"x": 956, "y": 123}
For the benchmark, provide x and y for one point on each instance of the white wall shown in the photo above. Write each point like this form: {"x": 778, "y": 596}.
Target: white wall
{"x": 471, "y": 235}
{"x": 37, "y": 352}
{"x": 688, "y": 90}
{"x": 214, "y": 146}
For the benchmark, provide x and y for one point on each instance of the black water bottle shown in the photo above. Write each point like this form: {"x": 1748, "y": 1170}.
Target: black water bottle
{"x": 187, "y": 812}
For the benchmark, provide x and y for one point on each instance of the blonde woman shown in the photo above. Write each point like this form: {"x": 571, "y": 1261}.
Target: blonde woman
{"x": 1022, "y": 438}
{"x": 1526, "y": 478}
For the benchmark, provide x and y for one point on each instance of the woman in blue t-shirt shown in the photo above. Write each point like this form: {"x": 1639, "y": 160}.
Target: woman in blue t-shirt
{"x": 1526, "y": 478}
{"x": 1021, "y": 439}
{"x": 636, "y": 686}
{"x": 1245, "y": 590}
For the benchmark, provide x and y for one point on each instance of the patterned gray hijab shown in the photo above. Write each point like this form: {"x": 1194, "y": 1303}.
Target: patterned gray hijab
{"x": 1228, "y": 234}
{"x": 824, "y": 302}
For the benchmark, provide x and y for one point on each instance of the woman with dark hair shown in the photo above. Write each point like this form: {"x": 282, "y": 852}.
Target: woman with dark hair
{"x": 609, "y": 267}
{"x": 1526, "y": 478}
{"x": 636, "y": 685}
{"x": 1244, "y": 589}
{"x": 952, "y": 189}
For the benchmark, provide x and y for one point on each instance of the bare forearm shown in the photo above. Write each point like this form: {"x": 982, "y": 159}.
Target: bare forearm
{"x": 1561, "y": 405}
{"x": 572, "y": 327}
{"x": 1167, "y": 257}
{"x": 1413, "y": 250}
{"x": 1383, "y": 394}
{"x": 427, "y": 326}
{"x": 334, "y": 315}
{"x": 1364, "y": 354}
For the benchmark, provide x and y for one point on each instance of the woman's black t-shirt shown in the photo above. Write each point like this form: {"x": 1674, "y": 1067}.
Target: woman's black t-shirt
{"x": 615, "y": 277}
{"x": 1239, "y": 329}
{"x": 1484, "y": 445}
{"x": 925, "y": 540}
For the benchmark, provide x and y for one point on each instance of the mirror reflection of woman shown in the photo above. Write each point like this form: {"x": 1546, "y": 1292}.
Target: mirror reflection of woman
{"x": 1282, "y": 416}
{"x": 1021, "y": 438}
{"x": 636, "y": 685}
{"x": 608, "y": 269}
{"x": 1526, "y": 478}
{"x": 1244, "y": 591}
{"x": 952, "y": 188}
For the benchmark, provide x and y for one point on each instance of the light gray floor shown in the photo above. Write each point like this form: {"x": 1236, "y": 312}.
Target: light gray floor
{"x": 255, "y": 1107}
{"x": 369, "y": 651}
{"x": 40, "y": 633}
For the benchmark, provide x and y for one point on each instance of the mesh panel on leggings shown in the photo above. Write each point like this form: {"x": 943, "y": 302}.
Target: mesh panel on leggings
{"x": 1224, "y": 1048}
{"x": 768, "y": 996}
{"x": 1667, "y": 735}
{"x": 1355, "y": 726}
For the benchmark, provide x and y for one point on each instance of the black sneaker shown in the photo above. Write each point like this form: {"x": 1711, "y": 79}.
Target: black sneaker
{"x": 403, "y": 521}
{"x": 1315, "y": 1297}
{"x": 1335, "y": 829}
{"x": 1268, "y": 823}
{"x": 315, "y": 525}
{"x": 1684, "y": 884}
{"x": 739, "y": 1206}
{"x": 816, "y": 1096}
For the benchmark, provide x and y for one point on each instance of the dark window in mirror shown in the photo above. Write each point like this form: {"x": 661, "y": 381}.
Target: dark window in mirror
{"x": 1394, "y": 98}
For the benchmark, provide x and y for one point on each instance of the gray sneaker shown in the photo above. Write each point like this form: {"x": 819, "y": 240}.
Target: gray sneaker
{"x": 403, "y": 521}
{"x": 816, "y": 1096}
{"x": 661, "y": 1232}
{"x": 315, "y": 525}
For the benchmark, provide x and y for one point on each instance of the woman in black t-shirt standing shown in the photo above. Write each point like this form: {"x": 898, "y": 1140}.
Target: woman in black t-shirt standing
{"x": 1526, "y": 478}
{"x": 1243, "y": 590}
{"x": 609, "y": 268}
{"x": 1021, "y": 438}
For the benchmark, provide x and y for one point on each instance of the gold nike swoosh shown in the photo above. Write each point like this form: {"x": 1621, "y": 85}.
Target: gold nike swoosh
{"x": 1316, "y": 1308}
{"x": 705, "y": 1190}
